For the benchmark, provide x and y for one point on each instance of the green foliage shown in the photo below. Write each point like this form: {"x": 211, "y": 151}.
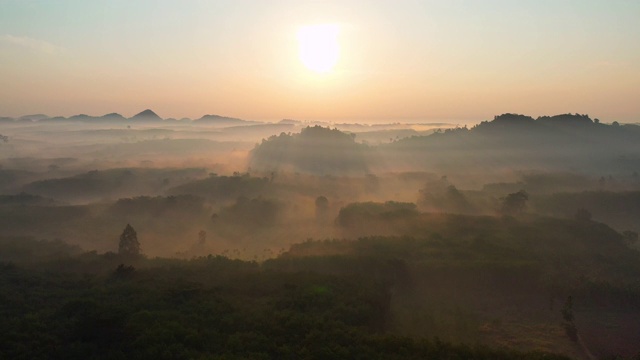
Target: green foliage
{"x": 209, "y": 307}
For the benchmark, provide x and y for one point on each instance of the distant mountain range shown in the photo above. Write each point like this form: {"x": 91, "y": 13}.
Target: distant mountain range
{"x": 223, "y": 120}
{"x": 504, "y": 121}
{"x": 146, "y": 116}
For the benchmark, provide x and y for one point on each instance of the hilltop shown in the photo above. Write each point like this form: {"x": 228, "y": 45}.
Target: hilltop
{"x": 515, "y": 141}
{"x": 315, "y": 150}
{"x": 146, "y": 115}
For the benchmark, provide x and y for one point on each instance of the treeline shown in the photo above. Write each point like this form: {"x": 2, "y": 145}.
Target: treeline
{"x": 101, "y": 308}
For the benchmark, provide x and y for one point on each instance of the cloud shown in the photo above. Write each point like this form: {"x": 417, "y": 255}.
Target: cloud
{"x": 31, "y": 44}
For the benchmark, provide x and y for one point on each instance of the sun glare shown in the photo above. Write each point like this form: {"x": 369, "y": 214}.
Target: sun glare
{"x": 319, "y": 48}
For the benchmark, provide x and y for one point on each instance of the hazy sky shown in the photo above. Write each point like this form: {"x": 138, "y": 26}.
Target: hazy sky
{"x": 399, "y": 60}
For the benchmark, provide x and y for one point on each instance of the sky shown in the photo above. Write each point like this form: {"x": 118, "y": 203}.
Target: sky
{"x": 399, "y": 60}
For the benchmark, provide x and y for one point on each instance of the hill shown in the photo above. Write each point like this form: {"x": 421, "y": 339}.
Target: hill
{"x": 512, "y": 141}
{"x": 34, "y": 117}
{"x": 315, "y": 150}
{"x": 146, "y": 116}
{"x": 223, "y": 121}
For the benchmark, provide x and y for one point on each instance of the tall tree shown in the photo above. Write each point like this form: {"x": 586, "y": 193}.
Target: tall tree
{"x": 129, "y": 244}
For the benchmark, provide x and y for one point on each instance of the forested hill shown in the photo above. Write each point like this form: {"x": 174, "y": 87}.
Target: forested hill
{"x": 510, "y": 141}
{"x": 315, "y": 150}
{"x": 523, "y": 131}
{"x": 550, "y": 142}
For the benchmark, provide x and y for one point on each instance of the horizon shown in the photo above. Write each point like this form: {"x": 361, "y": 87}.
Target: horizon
{"x": 456, "y": 122}
{"x": 362, "y": 62}
{"x": 320, "y": 179}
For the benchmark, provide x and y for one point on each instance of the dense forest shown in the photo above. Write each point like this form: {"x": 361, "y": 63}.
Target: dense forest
{"x": 231, "y": 239}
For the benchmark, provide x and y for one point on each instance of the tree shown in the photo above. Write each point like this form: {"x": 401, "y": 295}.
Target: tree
{"x": 515, "y": 203}
{"x": 4, "y": 138}
{"x": 129, "y": 244}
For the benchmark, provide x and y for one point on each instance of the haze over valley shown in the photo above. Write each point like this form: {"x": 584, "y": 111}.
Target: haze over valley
{"x": 334, "y": 180}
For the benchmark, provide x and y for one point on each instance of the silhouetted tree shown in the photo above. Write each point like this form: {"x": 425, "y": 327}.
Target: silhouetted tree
{"x": 515, "y": 203}
{"x": 129, "y": 244}
{"x": 124, "y": 272}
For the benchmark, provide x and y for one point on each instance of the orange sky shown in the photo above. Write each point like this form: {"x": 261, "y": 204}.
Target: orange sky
{"x": 399, "y": 60}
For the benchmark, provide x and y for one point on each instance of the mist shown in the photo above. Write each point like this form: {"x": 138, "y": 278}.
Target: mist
{"x": 466, "y": 232}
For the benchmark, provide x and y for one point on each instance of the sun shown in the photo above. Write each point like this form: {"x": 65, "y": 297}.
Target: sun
{"x": 319, "y": 47}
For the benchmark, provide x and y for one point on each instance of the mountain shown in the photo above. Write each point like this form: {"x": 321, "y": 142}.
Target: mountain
{"x": 223, "y": 121}
{"x": 80, "y": 117}
{"x": 87, "y": 118}
{"x": 34, "y": 117}
{"x": 147, "y": 115}
{"x": 55, "y": 119}
{"x": 113, "y": 117}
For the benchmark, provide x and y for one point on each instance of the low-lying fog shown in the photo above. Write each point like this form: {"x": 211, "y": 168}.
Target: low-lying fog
{"x": 473, "y": 233}
{"x": 256, "y": 188}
